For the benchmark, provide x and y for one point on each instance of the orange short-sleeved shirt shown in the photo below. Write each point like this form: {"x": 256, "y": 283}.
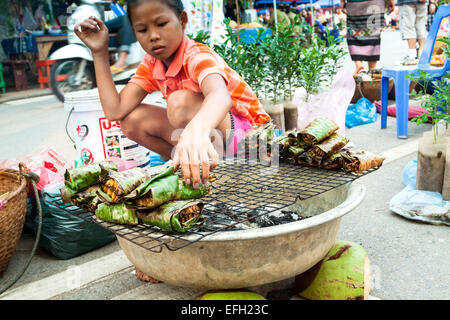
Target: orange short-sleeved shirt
{"x": 192, "y": 63}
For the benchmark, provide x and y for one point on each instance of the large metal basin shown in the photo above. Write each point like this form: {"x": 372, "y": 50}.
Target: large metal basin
{"x": 239, "y": 259}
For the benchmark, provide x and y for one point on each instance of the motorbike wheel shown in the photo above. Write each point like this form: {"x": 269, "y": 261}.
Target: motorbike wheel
{"x": 62, "y": 77}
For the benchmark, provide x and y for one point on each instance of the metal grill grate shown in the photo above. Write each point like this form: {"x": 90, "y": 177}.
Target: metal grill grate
{"x": 243, "y": 191}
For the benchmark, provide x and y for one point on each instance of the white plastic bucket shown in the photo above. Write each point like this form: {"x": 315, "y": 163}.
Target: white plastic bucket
{"x": 95, "y": 137}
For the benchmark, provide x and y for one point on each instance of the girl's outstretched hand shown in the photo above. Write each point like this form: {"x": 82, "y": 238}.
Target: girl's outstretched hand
{"x": 93, "y": 33}
{"x": 194, "y": 150}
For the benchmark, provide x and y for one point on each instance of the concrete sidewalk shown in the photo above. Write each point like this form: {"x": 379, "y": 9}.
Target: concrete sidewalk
{"x": 24, "y": 94}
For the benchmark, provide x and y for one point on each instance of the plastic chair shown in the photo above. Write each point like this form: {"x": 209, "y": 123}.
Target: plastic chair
{"x": 44, "y": 77}
{"x": 399, "y": 73}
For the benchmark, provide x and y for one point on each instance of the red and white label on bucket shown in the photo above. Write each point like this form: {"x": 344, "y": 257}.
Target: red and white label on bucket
{"x": 117, "y": 145}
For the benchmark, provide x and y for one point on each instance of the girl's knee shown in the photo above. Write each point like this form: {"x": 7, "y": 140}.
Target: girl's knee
{"x": 130, "y": 125}
{"x": 182, "y": 105}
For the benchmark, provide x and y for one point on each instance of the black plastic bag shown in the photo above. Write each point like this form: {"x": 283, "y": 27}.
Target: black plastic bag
{"x": 63, "y": 234}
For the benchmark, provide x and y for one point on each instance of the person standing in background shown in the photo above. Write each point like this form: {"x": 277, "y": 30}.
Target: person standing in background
{"x": 292, "y": 12}
{"x": 365, "y": 21}
{"x": 394, "y": 19}
{"x": 413, "y": 16}
{"x": 230, "y": 11}
{"x": 432, "y": 7}
{"x": 282, "y": 18}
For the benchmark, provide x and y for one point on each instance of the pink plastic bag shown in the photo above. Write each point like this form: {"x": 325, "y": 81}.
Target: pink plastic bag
{"x": 123, "y": 164}
{"x": 45, "y": 162}
{"x": 413, "y": 110}
{"x": 331, "y": 104}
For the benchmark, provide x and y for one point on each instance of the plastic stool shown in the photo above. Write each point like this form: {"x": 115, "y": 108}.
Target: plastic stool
{"x": 41, "y": 64}
{"x": 399, "y": 73}
{"x": 18, "y": 70}
{"x": 2, "y": 81}
{"x": 401, "y": 97}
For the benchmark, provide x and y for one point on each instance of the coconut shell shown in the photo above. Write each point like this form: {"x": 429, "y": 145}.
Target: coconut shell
{"x": 344, "y": 274}
{"x": 230, "y": 295}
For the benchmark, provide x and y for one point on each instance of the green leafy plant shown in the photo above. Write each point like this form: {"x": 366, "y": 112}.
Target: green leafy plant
{"x": 437, "y": 103}
{"x": 319, "y": 63}
{"x": 274, "y": 65}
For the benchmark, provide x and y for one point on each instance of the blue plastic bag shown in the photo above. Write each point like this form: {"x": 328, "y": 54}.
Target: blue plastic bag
{"x": 409, "y": 174}
{"x": 156, "y": 159}
{"x": 362, "y": 112}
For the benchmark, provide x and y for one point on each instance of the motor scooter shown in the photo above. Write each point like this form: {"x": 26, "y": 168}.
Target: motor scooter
{"x": 74, "y": 67}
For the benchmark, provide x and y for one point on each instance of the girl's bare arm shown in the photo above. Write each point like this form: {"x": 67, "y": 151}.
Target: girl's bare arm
{"x": 94, "y": 34}
{"x": 194, "y": 148}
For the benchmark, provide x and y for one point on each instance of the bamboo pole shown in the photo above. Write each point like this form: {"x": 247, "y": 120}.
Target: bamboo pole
{"x": 275, "y": 12}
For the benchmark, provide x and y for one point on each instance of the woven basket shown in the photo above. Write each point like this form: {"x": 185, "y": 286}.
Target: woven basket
{"x": 370, "y": 89}
{"x": 12, "y": 215}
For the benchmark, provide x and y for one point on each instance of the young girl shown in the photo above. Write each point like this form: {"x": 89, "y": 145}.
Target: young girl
{"x": 205, "y": 98}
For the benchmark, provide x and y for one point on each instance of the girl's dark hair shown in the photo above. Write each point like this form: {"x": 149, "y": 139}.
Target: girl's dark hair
{"x": 175, "y": 5}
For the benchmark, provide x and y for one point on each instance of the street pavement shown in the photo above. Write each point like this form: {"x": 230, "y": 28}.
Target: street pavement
{"x": 410, "y": 260}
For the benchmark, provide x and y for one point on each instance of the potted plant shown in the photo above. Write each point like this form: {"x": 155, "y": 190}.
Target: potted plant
{"x": 314, "y": 95}
{"x": 432, "y": 163}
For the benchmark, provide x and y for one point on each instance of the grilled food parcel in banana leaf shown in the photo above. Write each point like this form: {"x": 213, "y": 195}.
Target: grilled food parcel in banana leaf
{"x": 77, "y": 179}
{"x": 358, "y": 160}
{"x": 178, "y": 216}
{"x": 319, "y": 129}
{"x": 319, "y": 135}
{"x": 160, "y": 189}
{"x": 335, "y": 161}
{"x": 156, "y": 192}
{"x": 163, "y": 187}
{"x": 319, "y": 145}
{"x": 294, "y": 142}
{"x": 329, "y": 146}
{"x": 86, "y": 199}
{"x": 120, "y": 184}
{"x": 256, "y": 138}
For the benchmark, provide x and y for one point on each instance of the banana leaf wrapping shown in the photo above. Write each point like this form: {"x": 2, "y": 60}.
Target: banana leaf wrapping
{"x": 284, "y": 142}
{"x": 86, "y": 199}
{"x": 144, "y": 187}
{"x": 163, "y": 188}
{"x": 187, "y": 191}
{"x": 79, "y": 178}
{"x": 358, "y": 161}
{"x": 330, "y": 145}
{"x": 156, "y": 193}
{"x": 335, "y": 161}
{"x": 117, "y": 213}
{"x": 178, "y": 216}
{"x": 167, "y": 189}
{"x": 251, "y": 142}
{"x": 309, "y": 159}
{"x": 319, "y": 129}
{"x": 119, "y": 184}
{"x": 296, "y": 151}
{"x": 67, "y": 194}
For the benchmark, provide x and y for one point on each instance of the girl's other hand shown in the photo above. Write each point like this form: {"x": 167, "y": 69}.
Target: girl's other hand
{"x": 93, "y": 33}
{"x": 194, "y": 149}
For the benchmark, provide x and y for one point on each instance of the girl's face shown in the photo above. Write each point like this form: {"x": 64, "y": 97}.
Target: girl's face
{"x": 158, "y": 29}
